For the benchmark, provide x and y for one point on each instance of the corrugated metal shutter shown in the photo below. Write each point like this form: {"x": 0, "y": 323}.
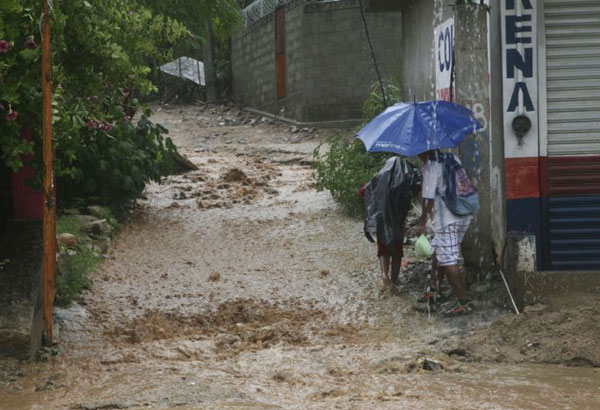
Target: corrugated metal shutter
{"x": 573, "y": 76}
{"x": 572, "y": 206}
{"x": 572, "y": 220}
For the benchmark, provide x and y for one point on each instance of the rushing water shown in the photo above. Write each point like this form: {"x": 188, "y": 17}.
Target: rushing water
{"x": 269, "y": 302}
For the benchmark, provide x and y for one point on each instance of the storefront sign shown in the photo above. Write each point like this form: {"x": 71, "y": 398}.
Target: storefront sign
{"x": 444, "y": 54}
{"x": 519, "y": 68}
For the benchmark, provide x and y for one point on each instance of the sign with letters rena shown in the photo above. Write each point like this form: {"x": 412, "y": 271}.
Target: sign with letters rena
{"x": 444, "y": 53}
{"x": 519, "y": 73}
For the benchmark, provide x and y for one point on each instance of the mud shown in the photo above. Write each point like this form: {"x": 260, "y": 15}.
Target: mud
{"x": 565, "y": 331}
{"x": 237, "y": 326}
{"x": 238, "y": 286}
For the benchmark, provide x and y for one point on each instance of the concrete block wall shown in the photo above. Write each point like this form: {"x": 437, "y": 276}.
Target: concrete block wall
{"x": 329, "y": 69}
{"x": 338, "y": 65}
{"x": 253, "y": 64}
{"x": 291, "y": 105}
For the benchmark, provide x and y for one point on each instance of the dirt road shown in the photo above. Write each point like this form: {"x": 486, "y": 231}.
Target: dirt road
{"x": 239, "y": 286}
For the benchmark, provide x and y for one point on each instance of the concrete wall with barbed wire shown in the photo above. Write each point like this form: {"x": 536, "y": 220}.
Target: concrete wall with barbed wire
{"x": 329, "y": 69}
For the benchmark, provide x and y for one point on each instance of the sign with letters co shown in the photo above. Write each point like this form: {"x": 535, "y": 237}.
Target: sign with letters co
{"x": 444, "y": 54}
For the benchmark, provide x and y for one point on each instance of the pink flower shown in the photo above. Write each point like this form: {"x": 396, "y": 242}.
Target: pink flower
{"x": 107, "y": 127}
{"x": 30, "y": 43}
{"x": 91, "y": 124}
{"x": 4, "y": 46}
{"x": 127, "y": 118}
{"x": 129, "y": 13}
{"x": 12, "y": 115}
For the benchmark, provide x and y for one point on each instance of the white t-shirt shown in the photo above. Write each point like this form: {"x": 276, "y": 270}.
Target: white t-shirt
{"x": 433, "y": 185}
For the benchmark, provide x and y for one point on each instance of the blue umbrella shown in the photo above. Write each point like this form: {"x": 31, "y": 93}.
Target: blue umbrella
{"x": 412, "y": 128}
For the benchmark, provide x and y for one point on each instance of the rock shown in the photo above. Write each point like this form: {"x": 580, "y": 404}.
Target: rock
{"x": 264, "y": 119}
{"x": 96, "y": 227}
{"x": 458, "y": 351}
{"x": 182, "y": 164}
{"x": 98, "y": 211}
{"x": 104, "y": 244}
{"x": 86, "y": 219}
{"x": 293, "y": 129}
{"x": 430, "y": 365}
{"x": 94, "y": 248}
{"x": 537, "y": 308}
{"x": 213, "y": 277}
{"x": 283, "y": 376}
{"x": 68, "y": 240}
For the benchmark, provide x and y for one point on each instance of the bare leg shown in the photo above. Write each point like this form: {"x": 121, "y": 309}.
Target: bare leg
{"x": 384, "y": 264}
{"x": 396, "y": 264}
{"x": 456, "y": 281}
{"x": 436, "y": 272}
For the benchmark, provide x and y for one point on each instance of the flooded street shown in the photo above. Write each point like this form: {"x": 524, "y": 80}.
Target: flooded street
{"x": 239, "y": 286}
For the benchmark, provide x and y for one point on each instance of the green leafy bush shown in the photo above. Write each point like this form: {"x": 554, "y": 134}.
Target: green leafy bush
{"x": 112, "y": 163}
{"x": 346, "y": 165}
{"x": 343, "y": 169}
{"x": 394, "y": 93}
{"x": 101, "y": 54}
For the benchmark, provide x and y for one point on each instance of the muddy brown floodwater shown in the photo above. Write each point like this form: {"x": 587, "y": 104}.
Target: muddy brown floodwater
{"x": 238, "y": 286}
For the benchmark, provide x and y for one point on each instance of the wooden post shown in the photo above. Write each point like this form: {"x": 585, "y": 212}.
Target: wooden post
{"x": 49, "y": 273}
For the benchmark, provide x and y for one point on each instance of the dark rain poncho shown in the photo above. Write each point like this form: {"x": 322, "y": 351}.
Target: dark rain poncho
{"x": 388, "y": 197}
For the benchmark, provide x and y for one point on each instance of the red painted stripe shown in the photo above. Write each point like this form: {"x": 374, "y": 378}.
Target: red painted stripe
{"x": 544, "y": 176}
{"x": 522, "y": 178}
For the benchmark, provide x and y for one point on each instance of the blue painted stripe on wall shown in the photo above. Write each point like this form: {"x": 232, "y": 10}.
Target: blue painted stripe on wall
{"x": 524, "y": 215}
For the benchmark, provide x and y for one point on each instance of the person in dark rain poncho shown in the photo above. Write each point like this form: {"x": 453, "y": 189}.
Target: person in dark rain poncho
{"x": 387, "y": 198}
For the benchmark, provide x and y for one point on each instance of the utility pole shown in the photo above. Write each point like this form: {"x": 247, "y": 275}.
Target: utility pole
{"x": 49, "y": 272}
{"x": 209, "y": 66}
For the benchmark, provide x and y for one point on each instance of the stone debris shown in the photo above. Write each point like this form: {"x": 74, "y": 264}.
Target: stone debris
{"x": 96, "y": 227}
{"x": 67, "y": 240}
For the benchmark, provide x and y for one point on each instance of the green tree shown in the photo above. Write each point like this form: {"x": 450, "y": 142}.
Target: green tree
{"x": 100, "y": 57}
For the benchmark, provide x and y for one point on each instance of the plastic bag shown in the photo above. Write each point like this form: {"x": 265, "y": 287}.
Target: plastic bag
{"x": 423, "y": 248}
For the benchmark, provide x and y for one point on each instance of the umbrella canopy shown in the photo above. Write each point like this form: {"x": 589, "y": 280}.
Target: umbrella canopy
{"x": 412, "y": 128}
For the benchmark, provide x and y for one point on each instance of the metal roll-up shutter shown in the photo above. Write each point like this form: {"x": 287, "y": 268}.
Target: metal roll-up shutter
{"x": 572, "y": 210}
{"x": 573, "y": 76}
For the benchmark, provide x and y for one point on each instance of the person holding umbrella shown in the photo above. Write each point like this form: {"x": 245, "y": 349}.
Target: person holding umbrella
{"x": 423, "y": 128}
{"x": 449, "y": 230}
